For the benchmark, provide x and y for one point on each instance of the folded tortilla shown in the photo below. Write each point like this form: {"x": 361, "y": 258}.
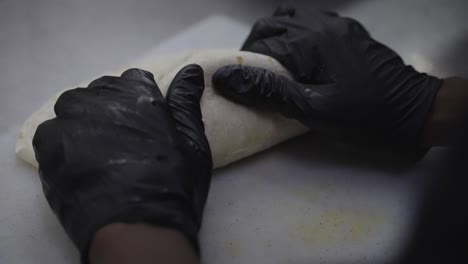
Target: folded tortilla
{"x": 234, "y": 131}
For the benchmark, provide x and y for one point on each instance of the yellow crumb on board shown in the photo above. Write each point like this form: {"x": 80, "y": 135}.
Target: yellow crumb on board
{"x": 337, "y": 226}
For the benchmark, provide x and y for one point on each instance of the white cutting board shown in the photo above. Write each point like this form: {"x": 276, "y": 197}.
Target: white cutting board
{"x": 306, "y": 201}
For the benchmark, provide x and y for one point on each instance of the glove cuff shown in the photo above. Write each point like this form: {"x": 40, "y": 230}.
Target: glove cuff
{"x": 168, "y": 215}
{"x": 413, "y": 105}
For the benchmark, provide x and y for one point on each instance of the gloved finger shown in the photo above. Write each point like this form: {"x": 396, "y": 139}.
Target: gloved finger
{"x": 261, "y": 88}
{"x": 281, "y": 51}
{"x": 285, "y": 10}
{"x": 146, "y": 77}
{"x": 139, "y": 75}
{"x": 355, "y": 26}
{"x": 80, "y": 102}
{"x": 94, "y": 104}
{"x": 272, "y": 47}
{"x": 183, "y": 97}
{"x": 48, "y": 149}
{"x": 330, "y": 13}
{"x": 136, "y": 81}
{"x": 103, "y": 105}
{"x": 305, "y": 68}
{"x": 263, "y": 29}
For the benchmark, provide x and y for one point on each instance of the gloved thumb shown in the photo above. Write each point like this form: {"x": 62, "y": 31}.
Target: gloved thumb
{"x": 259, "y": 87}
{"x": 183, "y": 97}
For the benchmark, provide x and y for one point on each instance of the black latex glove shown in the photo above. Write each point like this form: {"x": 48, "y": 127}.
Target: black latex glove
{"x": 119, "y": 152}
{"x": 347, "y": 84}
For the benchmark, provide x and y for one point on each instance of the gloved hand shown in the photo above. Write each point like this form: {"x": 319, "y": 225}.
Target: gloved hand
{"x": 119, "y": 152}
{"x": 346, "y": 83}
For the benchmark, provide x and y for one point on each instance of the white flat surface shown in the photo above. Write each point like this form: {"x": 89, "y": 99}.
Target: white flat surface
{"x": 306, "y": 201}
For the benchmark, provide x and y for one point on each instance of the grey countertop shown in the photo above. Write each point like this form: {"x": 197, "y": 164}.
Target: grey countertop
{"x": 307, "y": 201}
